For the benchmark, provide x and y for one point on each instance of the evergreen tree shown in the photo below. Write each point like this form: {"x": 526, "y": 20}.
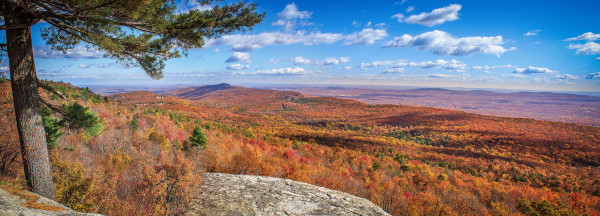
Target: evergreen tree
{"x": 137, "y": 33}
{"x": 198, "y": 138}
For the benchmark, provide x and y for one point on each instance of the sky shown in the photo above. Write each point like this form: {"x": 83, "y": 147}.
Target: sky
{"x": 525, "y": 45}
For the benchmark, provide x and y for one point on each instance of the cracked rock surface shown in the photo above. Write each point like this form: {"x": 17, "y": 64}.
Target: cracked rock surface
{"x": 226, "y": 194}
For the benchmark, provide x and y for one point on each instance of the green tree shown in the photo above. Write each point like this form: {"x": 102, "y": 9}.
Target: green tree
{"x": 198, "y": 138}
{"x": 137, "y": 33}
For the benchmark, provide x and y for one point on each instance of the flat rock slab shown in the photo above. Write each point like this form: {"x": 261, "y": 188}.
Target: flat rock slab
{"x": 17, "y": 202}
{"x": 226, "y": 194}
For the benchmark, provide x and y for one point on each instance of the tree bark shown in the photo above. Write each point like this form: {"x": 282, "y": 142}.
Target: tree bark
{"x": 27, "y": 110}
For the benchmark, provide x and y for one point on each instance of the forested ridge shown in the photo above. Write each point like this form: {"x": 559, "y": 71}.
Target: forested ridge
{"x": 147, "y": 157}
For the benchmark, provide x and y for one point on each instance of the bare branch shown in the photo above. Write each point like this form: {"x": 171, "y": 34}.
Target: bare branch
{"x": 51, "y": 89}
{"x": 50, "y": 105}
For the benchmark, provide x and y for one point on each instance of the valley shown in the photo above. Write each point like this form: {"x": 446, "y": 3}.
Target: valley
{"x": 408, "y": 160}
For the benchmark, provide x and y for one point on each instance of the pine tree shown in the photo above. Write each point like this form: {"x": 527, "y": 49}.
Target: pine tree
{"x": 198, "y": 138}
{"x": 137, "y": 33}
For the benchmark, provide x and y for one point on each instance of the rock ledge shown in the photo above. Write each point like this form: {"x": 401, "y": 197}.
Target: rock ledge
{"x": 226, "y": 194}
{"x": 17, "y": 202}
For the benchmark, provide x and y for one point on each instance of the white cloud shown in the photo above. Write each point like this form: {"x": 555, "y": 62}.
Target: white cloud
{"x": 564, "y": 77}
{"x": 435, "y": 17}
{"x": 369, "y": 24}
{"x": 238, "y": 56}
{"x": 588, "y": 36}
{"x": 346, "y": 68}
{"x": 333, "y": 61}
{"x": 380, "y": 25}
{"x": 398, "y": 16}
{"x": 355, "y": 24}
{"x": 533, "y": 70}
{"x": 245, "y": 43}
{"x": 85, "y": 65}
{"x": 237, "y": 67}
{"x": 216, "y": 50}
{"x": 290, "y": 17}
{"x": 486, "y": 67}
{"x": 367, "y": 36}
{"x": 46, "y": 52}
{"x": 187, "y": 5}
{"x": 410, "y": 9}
{"x": 279, "y": 71}
{"x": 589, "y": 48}
{"x": 593, "y": 76}
{"x": 442, "y": 43}
{"x": 452, "y": 65}
{"x": 440, "y": 75}
{"x": 299, "y": 60}
{"x": 4, "y": 68}
{"x": 598, "y": 58}
{"x": 532, "y": 32}
{"x": 393, "y": 70}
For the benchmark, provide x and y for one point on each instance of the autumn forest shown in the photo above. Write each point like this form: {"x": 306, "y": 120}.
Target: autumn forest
{"x": 143, "y": 153}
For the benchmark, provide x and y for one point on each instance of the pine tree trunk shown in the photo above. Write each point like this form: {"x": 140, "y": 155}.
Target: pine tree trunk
{"x": 27, "y": 110}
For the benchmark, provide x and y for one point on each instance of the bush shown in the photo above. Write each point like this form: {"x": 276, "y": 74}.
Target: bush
{"x": 198, "y": 138}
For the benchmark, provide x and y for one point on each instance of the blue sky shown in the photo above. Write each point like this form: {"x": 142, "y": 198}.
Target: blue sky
{"x": 530, "y": 45}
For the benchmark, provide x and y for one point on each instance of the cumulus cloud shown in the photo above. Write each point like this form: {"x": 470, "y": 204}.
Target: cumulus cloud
{"x": 593, "y": 76}
{"x": 279, "y": 71}
{"x": 532, "y": 32}
{"x": 564, "y": 77}
{"x": 237, "y": 67}
{"x": 435, "y": 17}
{"x": 245, "y": 43}
{"x": 442, "y": 43}
{"x": 333, "y": 61}
{"x": 367, "y": 36}
{"x": 238, "y": 56}
{"x": 588, "y": 36}
{"x": 533, "y": 70}
{"x": 410, "y": 9}
{"x": 589, "y": 48}
{"x": 85, "y": 65}
{"x": 46, "y": 52}
{"x": 299, "y": 60}
{"x": 452, "y": 65}
{"x": 290, "y": 17}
